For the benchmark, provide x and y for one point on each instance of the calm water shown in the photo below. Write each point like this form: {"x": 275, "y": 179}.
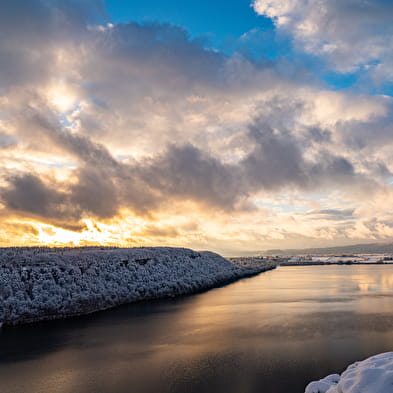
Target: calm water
{"x": 269, "y": 334}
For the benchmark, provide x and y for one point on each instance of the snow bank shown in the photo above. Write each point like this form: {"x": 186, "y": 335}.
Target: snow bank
{"x": 373, "y": 375}
{"x": 45, "y": 283}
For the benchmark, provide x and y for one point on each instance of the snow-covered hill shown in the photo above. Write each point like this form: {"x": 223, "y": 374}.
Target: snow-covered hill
{"x": 373, "y": 375}
{"x": 48, "y": 283}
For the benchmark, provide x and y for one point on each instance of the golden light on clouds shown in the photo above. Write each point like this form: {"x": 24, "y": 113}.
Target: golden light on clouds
{"x": 139, "y": 134}
{"x": 61, "y": 97}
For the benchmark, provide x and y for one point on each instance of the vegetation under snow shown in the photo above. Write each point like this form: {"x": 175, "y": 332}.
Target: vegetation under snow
{"x": 47, "y": 283}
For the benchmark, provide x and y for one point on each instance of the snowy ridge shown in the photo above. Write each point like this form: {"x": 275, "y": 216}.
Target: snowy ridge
{"x": 373, "y": 375}
{"x": 46, "y": 283}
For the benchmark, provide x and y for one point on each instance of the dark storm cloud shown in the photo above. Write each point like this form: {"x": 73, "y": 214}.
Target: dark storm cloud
{"x": 331, "y": 167}
{"x": 95, "y": 193}
{"x": 48, "y": 130}
{"x": 150, "y": 44}
{"x": 28, "y": 193}
{"x": 189, "y": 173}
{"x": 373, "y": 134}
{"x": 276, "y": 159}
{"x": 102, "y": 185}
{"x": 61, "y": 203}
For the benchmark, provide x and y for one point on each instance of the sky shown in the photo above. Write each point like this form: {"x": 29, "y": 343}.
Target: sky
{"x": 235, "y": 126}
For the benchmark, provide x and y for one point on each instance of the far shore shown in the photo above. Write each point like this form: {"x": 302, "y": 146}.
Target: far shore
{"x": 316, "y": 263}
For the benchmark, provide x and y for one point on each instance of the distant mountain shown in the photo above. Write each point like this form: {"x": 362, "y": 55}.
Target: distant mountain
{"x": 371, "y": 248}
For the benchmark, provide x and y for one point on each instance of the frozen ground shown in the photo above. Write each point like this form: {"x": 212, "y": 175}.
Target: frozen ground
{"x": 373, "y": 375}
{"x": 45, "y": 283}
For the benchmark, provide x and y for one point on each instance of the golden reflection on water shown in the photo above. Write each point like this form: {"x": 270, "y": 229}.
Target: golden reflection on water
{"x": 380, "y": 281}
{"x": 289, "y": 319}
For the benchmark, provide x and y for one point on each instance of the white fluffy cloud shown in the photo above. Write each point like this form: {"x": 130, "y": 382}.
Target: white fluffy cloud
{"x": 349, "y": 33}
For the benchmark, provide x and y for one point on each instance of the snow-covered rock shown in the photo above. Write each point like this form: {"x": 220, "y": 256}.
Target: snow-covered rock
{"x": 47, "y": 283}
{"x": 373, "y": 375}
{"x": 323, "y": 385}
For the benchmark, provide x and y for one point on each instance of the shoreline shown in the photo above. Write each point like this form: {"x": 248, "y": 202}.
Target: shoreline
{"x": 144, "y": 300}
{"x": 45, "y": 285}
{"x": 316, "y": 263}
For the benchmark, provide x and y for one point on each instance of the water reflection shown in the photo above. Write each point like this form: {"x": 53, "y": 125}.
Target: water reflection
{"x": 272, "y": 333}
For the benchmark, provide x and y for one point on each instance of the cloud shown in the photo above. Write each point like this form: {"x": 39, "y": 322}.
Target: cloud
{"x": 351, "y": 34}
{"x": 34, "y": 33}
{"x": 101, "y": 185}
{"x": 189, "y": 173}
{"x": 6, "y": 141}
{"x": 29, "y": 194}
{"x": 118, "y": 126}
{"x": 332, "y": 214}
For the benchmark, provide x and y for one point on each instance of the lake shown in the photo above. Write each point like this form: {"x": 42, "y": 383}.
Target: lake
{"x": 271, "y": 333}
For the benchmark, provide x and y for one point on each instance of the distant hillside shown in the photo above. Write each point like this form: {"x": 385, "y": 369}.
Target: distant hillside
{"x": 372, "y": 248}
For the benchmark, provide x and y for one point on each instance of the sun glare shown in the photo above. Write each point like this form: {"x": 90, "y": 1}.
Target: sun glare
{"x": 62, "y": 98}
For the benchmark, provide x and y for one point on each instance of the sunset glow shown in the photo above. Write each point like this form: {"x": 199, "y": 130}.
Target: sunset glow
{"x": 119, "y": 130}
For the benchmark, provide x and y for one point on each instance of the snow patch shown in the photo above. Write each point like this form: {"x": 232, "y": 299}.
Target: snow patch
{"x": 373, "y": 375}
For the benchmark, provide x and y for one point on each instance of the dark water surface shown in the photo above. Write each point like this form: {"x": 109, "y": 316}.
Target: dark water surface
{"x": 268, "y": 334}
